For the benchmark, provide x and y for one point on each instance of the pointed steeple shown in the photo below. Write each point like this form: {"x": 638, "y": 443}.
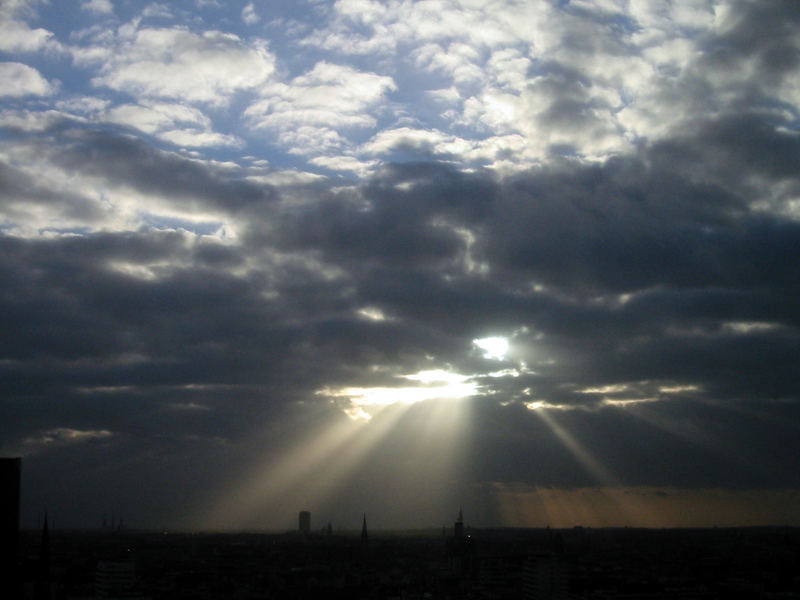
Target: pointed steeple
{"x": 364, "y": 536}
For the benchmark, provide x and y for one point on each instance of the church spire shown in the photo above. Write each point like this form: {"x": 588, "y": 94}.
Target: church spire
{"x": 41, "y": 584}
{"x": 364, "y": 536}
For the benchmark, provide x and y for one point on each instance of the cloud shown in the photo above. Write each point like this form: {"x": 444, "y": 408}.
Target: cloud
{"x": 157, "y": 116}
{"x": 100, "y": 7}
{"x": 31, "y": 120}
{"x": 207, "y": 67}
{"x": 459, "y": 61}
{"x": 313, "y": 111}
{"x": 15, "y": 34}
{"x": 175, "y": 123}
{"x": 366, "y": 26}
{"x": 21, "y": 80}
{"x": 68, "y": 186}
{"x": 614, "y": 283}
{"x": 249, "y": 14}
{"x": 62, "y": 436}
{"x": 343, "y": 163}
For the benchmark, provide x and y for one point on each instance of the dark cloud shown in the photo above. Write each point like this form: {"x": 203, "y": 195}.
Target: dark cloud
{"x": 761, "y": 35}
{"x": 126, "y": 160}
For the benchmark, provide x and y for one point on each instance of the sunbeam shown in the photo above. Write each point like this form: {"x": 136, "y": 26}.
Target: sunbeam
{"x": 426, "y": 436}
{"x": 597, "y": 471}
{"x": 627, "y": 506}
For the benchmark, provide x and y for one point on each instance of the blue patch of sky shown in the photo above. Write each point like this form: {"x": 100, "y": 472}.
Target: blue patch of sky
{"x": 63, "y": 19}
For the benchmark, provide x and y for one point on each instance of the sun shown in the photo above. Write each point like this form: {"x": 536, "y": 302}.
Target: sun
{"x": 493, "y": 347}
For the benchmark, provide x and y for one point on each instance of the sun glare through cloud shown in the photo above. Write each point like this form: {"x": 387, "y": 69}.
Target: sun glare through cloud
{"x": 493, "y": 347}
{"x": 435, "y": 384}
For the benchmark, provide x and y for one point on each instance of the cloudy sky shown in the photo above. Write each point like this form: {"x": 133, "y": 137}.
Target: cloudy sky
{"x": 536, "y": 259}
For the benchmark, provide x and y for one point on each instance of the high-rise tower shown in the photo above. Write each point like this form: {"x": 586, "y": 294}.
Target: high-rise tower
{"x": 304, "y": 522}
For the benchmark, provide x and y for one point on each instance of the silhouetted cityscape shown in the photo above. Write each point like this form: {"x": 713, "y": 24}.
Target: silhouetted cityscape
{"x": 453, "y": 562}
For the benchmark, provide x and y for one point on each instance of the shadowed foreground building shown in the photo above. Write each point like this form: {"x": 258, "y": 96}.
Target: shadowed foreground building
{"x": 117, "y": 579}
{"x": 10, "y": 471}
{"x": 545, "y": 578}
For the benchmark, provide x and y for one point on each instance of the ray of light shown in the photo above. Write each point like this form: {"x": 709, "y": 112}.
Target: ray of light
{"x": 528, "y": 506}
{"x": 598, "y": 471}
{"x": 262, "y": 485}
{"x": 311, "y": 470}
{"x": 625, "y": 505}
{"x": 692, "y": 433}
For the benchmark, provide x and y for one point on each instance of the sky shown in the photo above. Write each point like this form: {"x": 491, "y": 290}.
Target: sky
{"x": 533, "y": 259}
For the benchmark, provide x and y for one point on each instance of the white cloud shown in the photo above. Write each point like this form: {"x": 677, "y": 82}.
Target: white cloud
{"x": 310, "y": 139}
{"x": 197, "y": 138}
{"x": 157, "y": 116}
{"x": 82, "y": 104}
{"x": 445, "y": 96}
{"x": 30, "y": 120}
{"x": 286, "y": 178}
{"x": 17, "y": 79}
{"x": 175, "y": 63}
{"x": 680, "y": 14}
{"x": 493, "y": 152}
{"x": 459, "y": 61}
{"x": 311, "y": 112}
{"x": 175, "y": 123}
{"x": 249, "y": 15}
{"x": 509, "y": 68}
{"x": 157, "y": 10}
{"x": 486, "y": 24}
{"x": 15, "y": 34}
{"x": 554, "y": 76}
{"x": 100, "y": 7}
{"x": 425, "y": 140}
{"x": 63, "y": 436}
{"x": 344, "y": 163}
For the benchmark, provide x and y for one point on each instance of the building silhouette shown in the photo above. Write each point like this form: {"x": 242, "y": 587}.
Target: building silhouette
{"x": 458, "y": 526}
{"x": 10, "y": 472}
{"x": 43, "y": 584}
{"x": 459, "y": 548}
{"x": 364, "y": 535}
{"x": 116, "y": 579}
{"x": 545, "y": 577}
{"x": 304, "y": 522}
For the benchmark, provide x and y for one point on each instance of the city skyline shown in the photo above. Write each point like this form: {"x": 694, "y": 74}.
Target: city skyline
{"x": 531, "y": 258}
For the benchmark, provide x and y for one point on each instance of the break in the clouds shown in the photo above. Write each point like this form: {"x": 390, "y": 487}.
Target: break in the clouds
{"x": 534, "y": 258}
